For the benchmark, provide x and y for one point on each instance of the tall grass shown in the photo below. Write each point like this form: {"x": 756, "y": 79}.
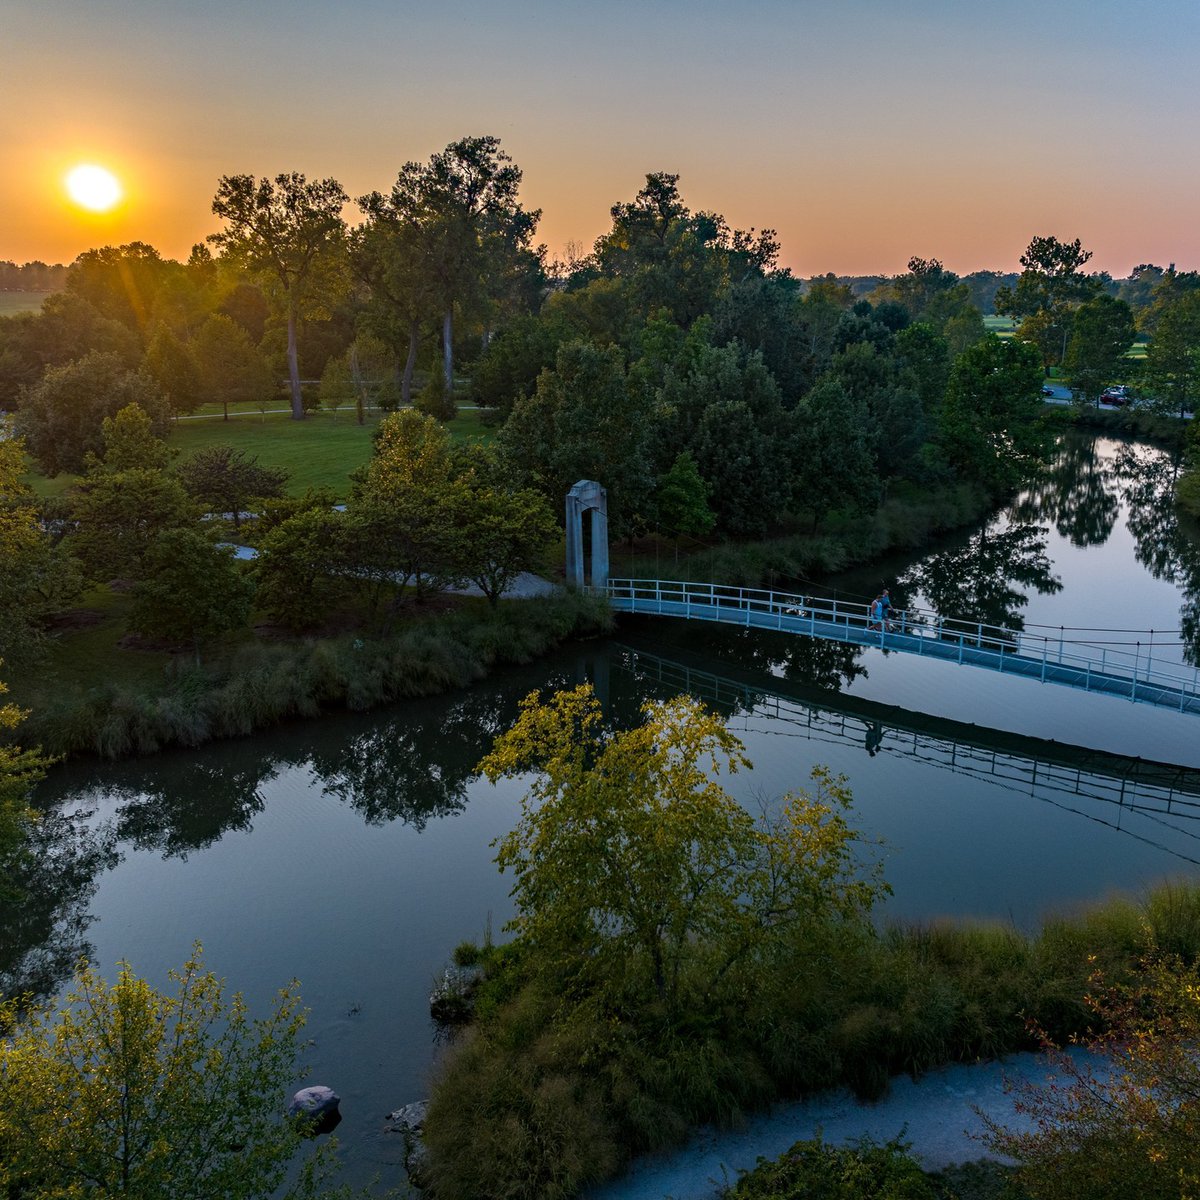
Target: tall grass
{"x": 266, "y": 683}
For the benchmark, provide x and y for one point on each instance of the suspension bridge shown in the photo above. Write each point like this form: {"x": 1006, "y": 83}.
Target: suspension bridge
{"x": 1096, "y": 784}
{"x": 1134, "y": 665}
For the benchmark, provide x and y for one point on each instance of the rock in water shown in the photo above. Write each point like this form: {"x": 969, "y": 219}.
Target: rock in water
{"x": 317, "y": 1107}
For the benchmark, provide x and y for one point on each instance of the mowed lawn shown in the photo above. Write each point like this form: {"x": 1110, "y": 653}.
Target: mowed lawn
{"x": 12, "y": 303}
{"x": 319, "y": 451}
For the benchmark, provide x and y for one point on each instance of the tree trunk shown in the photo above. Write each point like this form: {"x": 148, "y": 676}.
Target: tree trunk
{"x": 360, "y": 387}
{"x": 410, "y": 363}
{"x": 448, "y": 348}
{"x": 294, "y": 365}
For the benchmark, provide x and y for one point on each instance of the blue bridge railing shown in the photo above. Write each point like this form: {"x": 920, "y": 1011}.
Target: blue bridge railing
{"x": 1119, "y": 663}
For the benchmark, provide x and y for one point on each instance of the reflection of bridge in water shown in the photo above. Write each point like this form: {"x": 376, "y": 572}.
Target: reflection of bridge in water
{"x": 1129, "y": 666}
{"x": 1054, "y": 772}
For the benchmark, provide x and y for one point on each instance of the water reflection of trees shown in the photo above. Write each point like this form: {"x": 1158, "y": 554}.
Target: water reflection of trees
{"x": 1165, "y": 545}
{"x": 42, "y": 936}
{"x": 416, "y": 765}
{"x": 812, "y": 661}
{"x": 987, "y": 577}
{"x": 1079, "y": 492}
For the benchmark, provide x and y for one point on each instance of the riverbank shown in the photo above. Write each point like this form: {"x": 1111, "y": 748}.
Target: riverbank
{"x": 105, "y": 693}
{"x": 941, "y": 1114}
{"x": 259, "y": 683}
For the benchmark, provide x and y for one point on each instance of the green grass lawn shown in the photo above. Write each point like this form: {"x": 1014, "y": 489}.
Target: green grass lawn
{"x": 319, "y": 451}
{"x": 12, "y": 303}
{"x": 1004, "y": 326}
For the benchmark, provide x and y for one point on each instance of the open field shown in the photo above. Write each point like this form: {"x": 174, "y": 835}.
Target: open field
{"x": 12, "y": 303}
{"x": 320, "y": 451}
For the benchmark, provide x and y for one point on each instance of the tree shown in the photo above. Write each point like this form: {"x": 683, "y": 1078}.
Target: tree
{"x": 404, "y": 502}
{"x": 1124, "y": 1121}
{"x": 1049, "y": 289}
{"x": 723, "y": 405}
{"x": 1173, "y": 356}
{"x": 189, "y": 590}
{"x": 459, "y": 214}
{"x": 388, "y": 253}
{"x": 682, "y": 499}
{"x": 498, "y": 532}
{"x": 127, "y": 1091}
{"x": 291, "y": 231}
{"x": 231, "y": 368}
{"x": 19, "y": 771}
{"x": 637, "y": 874}
{"x": 583, "y": 422}
{"x": 835, "y": 468}
{"x": 991, "y": 426}
{"x": 118, "y": 514}
{"x": 129, "y": 442}
{"x": 229, "y": 481}
{"x": 170, "y": 364}
{"x": 62, "y": 417}
{"x": 37, "y": 578}
{"x": 1101, "y": 333}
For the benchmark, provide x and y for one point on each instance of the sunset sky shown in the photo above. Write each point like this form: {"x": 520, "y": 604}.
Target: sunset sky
{"x": 864, "y": 131}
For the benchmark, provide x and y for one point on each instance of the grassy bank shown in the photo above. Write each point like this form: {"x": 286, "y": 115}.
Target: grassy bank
{"x": 909, "y": 518}
{"x": 99, "y": 697}
{"x": 562, "y": 1090}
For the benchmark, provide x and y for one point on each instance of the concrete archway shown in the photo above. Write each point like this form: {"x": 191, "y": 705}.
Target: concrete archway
{"x": 587, "y": 496}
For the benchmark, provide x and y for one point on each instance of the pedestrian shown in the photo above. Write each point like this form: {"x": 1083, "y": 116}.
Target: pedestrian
{"x": 875, "y": 614}
{"x": 885, "y": 609}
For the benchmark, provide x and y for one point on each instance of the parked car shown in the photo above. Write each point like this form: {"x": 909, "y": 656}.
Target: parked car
{"x": 1117, "y": 395}
{"x": 1047, "y": 390}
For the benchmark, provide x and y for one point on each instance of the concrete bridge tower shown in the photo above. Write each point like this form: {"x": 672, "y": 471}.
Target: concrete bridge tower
{"x": 587, "y": 496}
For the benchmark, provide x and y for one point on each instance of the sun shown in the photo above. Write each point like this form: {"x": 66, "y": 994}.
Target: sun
{"x": 93, "y": 187}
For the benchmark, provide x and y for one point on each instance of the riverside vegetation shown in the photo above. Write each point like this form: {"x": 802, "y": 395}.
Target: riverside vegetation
{"x": 674, "y": 961}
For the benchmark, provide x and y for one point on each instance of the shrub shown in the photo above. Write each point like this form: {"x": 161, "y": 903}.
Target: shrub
{"x": 816, "y": 1170}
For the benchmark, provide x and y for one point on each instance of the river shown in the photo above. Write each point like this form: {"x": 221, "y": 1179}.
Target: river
{"x": 354, "y": 852}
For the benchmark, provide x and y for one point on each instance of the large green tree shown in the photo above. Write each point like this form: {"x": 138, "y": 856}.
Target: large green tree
{"x": 583, "y": 421}
{"x": 1101, "y": 333}
{"x": 992, "y": 429}
{"x": 1173, "y": 356}
{"x": 62, "y": 417}
{"x": 228, "y": 480}
{"x": 37, "y": 577}
{"x": 291, "y": 231}
{"x": 19, "y": 771}
{"x": 448, "y": 227}
{"x": 122, "y": 1090}
{"x": 1051, "y": 286}
{"x": 189, "y": 590}
{"x": 637, "y": 872}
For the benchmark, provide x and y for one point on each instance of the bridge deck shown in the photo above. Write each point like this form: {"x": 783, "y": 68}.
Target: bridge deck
{"x": 1128, "y": 672}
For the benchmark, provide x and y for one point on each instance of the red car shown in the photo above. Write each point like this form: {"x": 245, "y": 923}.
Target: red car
{"x": 1117, "y": 396}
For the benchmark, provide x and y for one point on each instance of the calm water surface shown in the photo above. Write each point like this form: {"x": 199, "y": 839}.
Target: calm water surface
{"x": 353, "y": 853}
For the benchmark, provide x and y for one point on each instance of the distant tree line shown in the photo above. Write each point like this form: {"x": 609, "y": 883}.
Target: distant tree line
{"x": 33, "y": 276}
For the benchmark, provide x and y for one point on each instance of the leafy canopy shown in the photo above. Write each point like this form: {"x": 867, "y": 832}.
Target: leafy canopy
{"x": 123, "y": 1090}
{"x": 636, "y": 870}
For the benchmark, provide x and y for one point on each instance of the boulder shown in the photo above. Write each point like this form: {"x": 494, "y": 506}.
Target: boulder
{"x": 318, "y": 1107}
{"x": 409, "y": 1122}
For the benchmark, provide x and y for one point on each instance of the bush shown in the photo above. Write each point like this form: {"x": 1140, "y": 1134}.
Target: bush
{"x": 816, "y": 1170}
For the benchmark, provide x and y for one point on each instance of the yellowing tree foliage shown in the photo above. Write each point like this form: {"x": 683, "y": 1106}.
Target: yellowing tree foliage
{"x": 635, "y": 867}
{"x": 127, "y": 1091}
